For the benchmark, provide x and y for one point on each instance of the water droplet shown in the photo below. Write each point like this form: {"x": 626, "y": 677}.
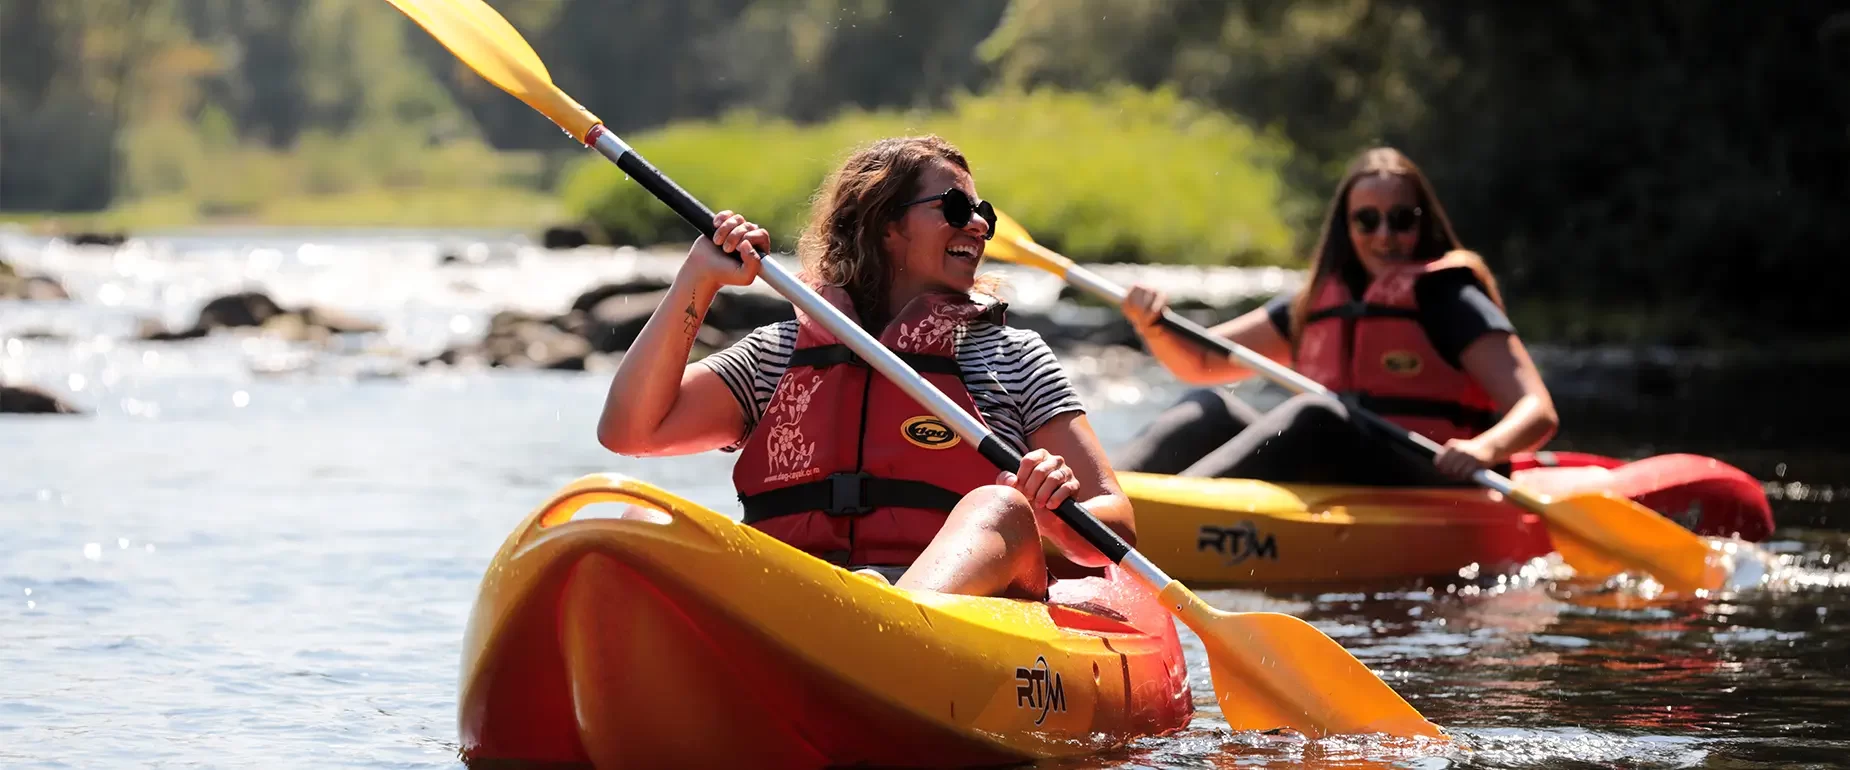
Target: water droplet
{"x": 28, "y": 592}
{"x": 31, "y": 604}
{"x": 240, "y": 399}
{"x": 93, "y": 551}
{"x": 149, "y": 548}
{"x": 77, "y": 382}
{"x": 122, "y": 543}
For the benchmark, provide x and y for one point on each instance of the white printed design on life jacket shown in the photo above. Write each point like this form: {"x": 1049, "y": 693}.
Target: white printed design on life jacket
{"x": 932, "y": 331}
{"x": 790, "y": 456}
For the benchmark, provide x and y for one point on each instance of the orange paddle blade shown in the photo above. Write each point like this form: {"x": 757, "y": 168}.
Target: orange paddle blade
{"x": 1273, "y": 670}
{"x": 491, "y": 46}
{"x": 1600, "y": 532}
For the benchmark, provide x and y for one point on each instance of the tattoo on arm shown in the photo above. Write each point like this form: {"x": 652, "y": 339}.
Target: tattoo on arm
{"x": 690, "y": 327}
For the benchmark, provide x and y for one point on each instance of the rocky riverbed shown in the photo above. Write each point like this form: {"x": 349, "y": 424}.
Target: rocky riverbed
{"x": 388, "y": 304}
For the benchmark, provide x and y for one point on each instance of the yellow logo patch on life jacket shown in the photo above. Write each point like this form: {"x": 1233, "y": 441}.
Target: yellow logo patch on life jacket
{"x": 1401, "y": 362}
{"x": 929, "y": 432}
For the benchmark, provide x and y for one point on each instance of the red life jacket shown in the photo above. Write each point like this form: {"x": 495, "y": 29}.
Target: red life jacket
{"x": 1374, "y": 349}
{"x": 844, "y": 464}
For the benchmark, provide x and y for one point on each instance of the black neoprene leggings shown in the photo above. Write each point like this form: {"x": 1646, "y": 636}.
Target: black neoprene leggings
{"x": 1306, "y": 440}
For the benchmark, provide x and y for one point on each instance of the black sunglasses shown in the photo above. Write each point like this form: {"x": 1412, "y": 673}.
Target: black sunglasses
{"x": 1400, "y": 219}
{"x": 958, "y": 207}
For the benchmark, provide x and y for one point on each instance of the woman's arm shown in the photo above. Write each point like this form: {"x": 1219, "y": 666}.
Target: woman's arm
{"x": 1499, "y": 362}
{"x": 1066, "y": 461}
{"x": 1192, "y": 362}
{"x": 657, "y": 404}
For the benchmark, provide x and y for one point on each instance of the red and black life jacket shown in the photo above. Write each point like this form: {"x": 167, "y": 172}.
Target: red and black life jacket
{"x": 846, "y": 466}
{"x": 1375, "y": 350}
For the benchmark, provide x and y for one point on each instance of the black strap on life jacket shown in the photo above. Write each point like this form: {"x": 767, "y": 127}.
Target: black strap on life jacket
{"x": 847, "y": 494}
{"x": 1477, "y": 420}
{"x": 825, "y": 356}
{"x": 1359, "y": 309}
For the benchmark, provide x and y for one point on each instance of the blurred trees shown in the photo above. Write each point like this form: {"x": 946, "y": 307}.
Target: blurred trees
{"x": 1682, "y": 163}
{"x": 1679, "y": 164}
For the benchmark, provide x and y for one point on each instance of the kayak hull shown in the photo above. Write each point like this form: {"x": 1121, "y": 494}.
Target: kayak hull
{"x": 1248, "y": 532}
{"x": 673, "y": 636}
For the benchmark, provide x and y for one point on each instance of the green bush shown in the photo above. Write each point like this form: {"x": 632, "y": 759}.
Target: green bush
{"x": 1123, "y": 175}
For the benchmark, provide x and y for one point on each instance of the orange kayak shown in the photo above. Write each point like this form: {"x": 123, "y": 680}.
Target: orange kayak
{"x": 657, "y": 633}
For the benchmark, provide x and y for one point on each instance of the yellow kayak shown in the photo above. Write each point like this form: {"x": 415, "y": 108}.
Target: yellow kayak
{"x": 662, "y": 634}
{"x": 1206, "y": 531}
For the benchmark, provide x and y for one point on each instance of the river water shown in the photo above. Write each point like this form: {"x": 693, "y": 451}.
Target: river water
{"x": 254, "y": 553}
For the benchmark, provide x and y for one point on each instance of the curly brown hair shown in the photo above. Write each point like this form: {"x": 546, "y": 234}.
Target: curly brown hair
{"x": 843, "y": 244}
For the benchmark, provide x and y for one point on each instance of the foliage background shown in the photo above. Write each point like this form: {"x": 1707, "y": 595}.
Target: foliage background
{"x": 1648, "y": 170}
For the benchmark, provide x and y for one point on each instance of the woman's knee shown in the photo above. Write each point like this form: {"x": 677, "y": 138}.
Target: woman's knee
{"x": 990, "y": 546}
{"x": 1193, "y": 426}
{"x": 1204, "y": 408}
{"x": 1002, "y": 509}
{"x": 1312, "y": 410}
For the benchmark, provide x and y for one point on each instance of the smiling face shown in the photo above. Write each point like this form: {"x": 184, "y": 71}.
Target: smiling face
{"x": 1383, "y": 246}
{"x": 929, "y": 253}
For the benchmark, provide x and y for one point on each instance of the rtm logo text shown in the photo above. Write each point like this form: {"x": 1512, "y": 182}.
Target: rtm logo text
{"x": 1238, "y": 542}
{"x": 1040, "y": 688}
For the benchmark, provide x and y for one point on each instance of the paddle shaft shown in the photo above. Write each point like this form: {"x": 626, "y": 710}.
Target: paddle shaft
{"x": 874, "y": 353}
{"x": 1283, "y": 375}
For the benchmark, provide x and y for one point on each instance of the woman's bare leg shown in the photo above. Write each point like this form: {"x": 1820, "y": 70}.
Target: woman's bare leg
{"x": 989, "y": 546}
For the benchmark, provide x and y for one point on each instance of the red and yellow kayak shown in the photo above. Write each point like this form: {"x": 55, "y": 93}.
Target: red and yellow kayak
{"x": 1234, "y": 532}
{"x": 670, "y": 635}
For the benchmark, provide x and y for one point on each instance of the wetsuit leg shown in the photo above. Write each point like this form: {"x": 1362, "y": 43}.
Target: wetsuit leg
{"x": 1307, "y": 440}
{"x": 1188, "y": 430}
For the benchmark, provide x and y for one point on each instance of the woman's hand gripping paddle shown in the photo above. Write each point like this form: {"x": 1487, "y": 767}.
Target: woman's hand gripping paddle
{"x": 1270, "y": 670}
{"x": 1599, "y": 534}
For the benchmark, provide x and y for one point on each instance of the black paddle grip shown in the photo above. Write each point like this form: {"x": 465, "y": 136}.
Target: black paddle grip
{"x": 1193, "y": 331}
{"x": 1408, "y": 442}
{"x": 659, "y": 185}
{"x": 1070, "y": 511}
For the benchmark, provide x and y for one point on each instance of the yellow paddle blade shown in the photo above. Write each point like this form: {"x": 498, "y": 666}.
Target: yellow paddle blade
{"x": 1601, "y": 534}
{"x": 1585, "y": 557}
{"x": 1273, "y": 670}
{"x": 491, "y": 46}
{"x": 1013, "y": 244}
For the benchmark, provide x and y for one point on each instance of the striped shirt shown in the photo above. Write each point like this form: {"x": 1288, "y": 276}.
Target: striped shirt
{"x": 1014, "y": 380}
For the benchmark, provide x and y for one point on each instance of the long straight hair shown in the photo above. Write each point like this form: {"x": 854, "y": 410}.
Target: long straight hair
{"x": 1335, "y": 254}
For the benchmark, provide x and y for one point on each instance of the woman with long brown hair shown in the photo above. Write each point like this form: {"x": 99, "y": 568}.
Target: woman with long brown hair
{"x": 834, "y": 459}
{"x": 1396, "y": 315}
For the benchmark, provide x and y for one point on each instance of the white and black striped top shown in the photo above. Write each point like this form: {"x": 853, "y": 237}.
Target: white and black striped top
{"x": 1013, "y": 377}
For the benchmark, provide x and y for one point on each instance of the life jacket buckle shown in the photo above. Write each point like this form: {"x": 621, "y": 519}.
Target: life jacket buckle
{"x": 845, "y": 494}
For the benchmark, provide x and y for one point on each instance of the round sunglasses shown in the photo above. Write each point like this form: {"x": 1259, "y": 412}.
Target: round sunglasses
{"x": 1399, "y": 219}
{"x": 958, "y": 207}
